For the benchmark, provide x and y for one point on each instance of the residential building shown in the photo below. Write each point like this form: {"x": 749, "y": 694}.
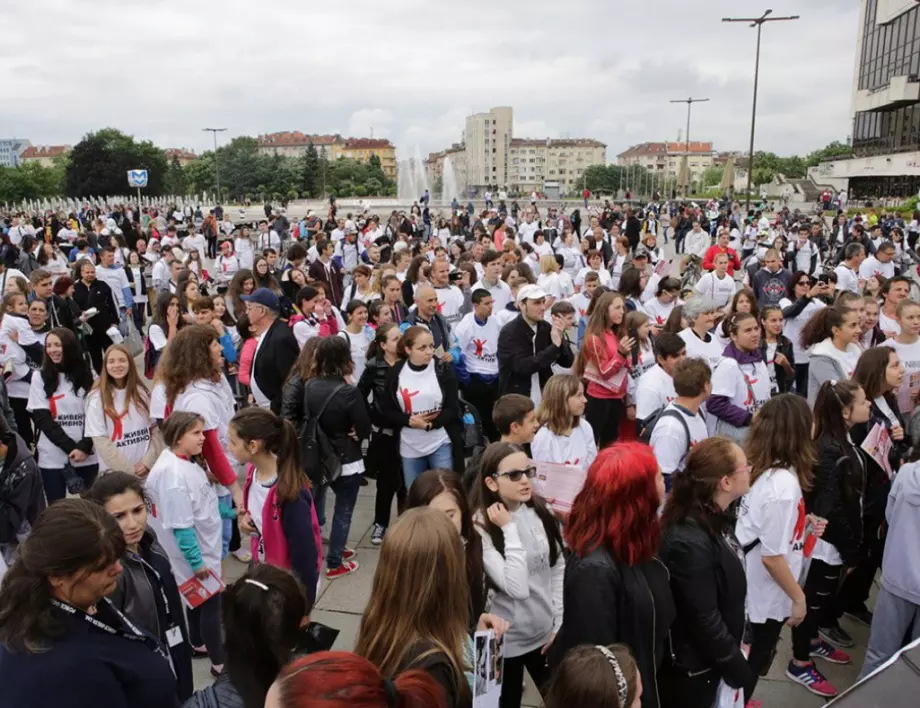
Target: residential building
{"x": 11, "y": 149}
{"x": 452, "y": 159}
{"x": 886, "y": 104}
{"x": 181, "y": 154}
{"x": 535, "y": 162}
{"x": 44, "y": 155}
{"x": 363, "y": 148}
{"x": 295, "y": 144}
{"x": 488, "y": 142}
{"x": 664, "y": 159}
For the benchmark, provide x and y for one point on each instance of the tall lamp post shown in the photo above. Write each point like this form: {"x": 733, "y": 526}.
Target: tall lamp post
{"x": 689, "y": 102}
{"x": 757, "y": 22}
{"x": 214, "y": 132}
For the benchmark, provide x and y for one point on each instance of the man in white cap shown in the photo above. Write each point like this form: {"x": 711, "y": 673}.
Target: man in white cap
{"x": 528, "y": 346}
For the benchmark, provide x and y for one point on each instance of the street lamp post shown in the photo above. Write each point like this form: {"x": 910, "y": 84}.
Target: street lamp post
{"x": 757, "y": 22}
{"x": 689, "y": 102}
{"x": 214, "y": 132}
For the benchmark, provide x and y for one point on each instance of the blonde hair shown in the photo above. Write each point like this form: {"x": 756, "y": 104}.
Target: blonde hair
{"x": 554, "y": 409}
{"x": 548, "y": 264}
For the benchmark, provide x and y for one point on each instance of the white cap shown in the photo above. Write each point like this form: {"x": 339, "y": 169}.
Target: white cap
{"x": 530, "y": 292}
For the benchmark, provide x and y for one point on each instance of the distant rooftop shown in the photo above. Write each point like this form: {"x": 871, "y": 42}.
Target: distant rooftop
{"x": 36, "y": 152}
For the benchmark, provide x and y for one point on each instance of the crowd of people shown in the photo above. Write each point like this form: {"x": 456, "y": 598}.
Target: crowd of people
{"x": 178, "y": 388}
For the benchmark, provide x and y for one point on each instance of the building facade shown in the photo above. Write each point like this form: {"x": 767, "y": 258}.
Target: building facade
{"x": 488, "y": 145}
{"x": 664, "y": 159}
{"x": 535, "y": 162}
{"x": 44, "y": 155}
{"x": 11, "y": 149}
{"x": 886, "y": 104}
{"x": 295, "y": 144}
{"x": 181, "y": 154}
{"x": 362, "y": 149}
{"x": 452, "y": 160}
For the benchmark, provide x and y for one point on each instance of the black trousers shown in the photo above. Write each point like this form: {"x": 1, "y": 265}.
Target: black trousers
{"x": 383, "y": 458}
{"x": 513, "y": 677}
{"x": 604, "y": 415}
{"x": 763, "y": 648}
{"x": 801, "y": 380}
{"x": 821, "y": 605}
{"x": 96, "y": 344}
{"x": 854, "y": 592}
{"x": 204, "y": 628}
{"x": 23, "y": 419}
{"x": 679, "y": 689}
{"x": 482, "y": 396}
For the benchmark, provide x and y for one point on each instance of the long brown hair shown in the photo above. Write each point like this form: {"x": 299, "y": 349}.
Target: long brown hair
{"x": 279, "y": 437}
{"x": 598, "y": 325}
{"x": 554, "y": 408}
{"x": 72, "y": 536}
{"x": 235, "y": 289}
{"x": 135, "y": 391}
{"x": 871, "y": 373}
{"x": 424, "y": 489}
{"x": 421, "y": 560}
{"x": 780, "y": 436}
{"x": 187, "y": 359}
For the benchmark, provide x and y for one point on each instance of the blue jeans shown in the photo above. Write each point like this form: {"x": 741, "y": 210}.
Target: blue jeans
{"x": 413, "y": 467}
{"x": 346, "y": 495}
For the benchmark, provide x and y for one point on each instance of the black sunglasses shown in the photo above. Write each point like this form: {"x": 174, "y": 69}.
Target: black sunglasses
{"x": 515, "y": 475}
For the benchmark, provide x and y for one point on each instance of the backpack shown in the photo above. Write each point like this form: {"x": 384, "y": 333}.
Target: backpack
{"x": 646, "y": 427}
{"x": 319, "y": 458}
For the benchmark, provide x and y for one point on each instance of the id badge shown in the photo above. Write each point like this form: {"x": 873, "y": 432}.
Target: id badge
{"x": 174, "y": 636}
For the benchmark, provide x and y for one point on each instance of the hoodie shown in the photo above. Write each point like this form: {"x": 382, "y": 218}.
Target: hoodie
{"x": 771, "y": 287}
{"x": 900, "y": 569}
{"x": 826, "y": 362}
{"x": 722, "y": 406}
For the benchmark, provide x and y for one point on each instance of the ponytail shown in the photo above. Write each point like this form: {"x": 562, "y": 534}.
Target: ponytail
{"x": 279, "y": 437}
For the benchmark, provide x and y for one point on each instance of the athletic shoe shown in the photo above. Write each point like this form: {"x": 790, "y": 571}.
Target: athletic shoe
{"x": 837, "y": 636}
{"x": 377, "y": 534}
{"x": 863, "y": 616}
{"x": 812, "y": 679}
{"x": 242, "y": 555}
{"x": 344, "y": 569}
{"x": 825, "y": 651}
{"x": 753, "y": 703}
{"x": 348, "y": 554}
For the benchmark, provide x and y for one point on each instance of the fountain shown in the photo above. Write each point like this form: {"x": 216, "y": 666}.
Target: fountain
{"x": 450, "y": 189}
{"x": 411, "y": 180}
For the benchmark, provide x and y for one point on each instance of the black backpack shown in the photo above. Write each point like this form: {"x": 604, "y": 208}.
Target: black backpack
{"x": 646, "y": 427}
{"x": 320, "y": 459}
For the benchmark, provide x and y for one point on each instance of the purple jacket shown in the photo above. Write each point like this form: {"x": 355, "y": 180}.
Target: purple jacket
{"x": 722, "y": 406}
{"x": 290, "y": 535}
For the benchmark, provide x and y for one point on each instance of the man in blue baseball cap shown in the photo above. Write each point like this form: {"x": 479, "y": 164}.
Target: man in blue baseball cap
{"x": 276, "y": 348}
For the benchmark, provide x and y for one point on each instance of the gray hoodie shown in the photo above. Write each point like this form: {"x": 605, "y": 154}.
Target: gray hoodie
{"x": 901, "y": 564}
{"x": 824, "y": 364}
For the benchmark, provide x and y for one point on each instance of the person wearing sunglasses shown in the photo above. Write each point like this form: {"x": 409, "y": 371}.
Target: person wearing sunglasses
{"x": 708, "y": 581}
{"x": 798, "y": 306}
{"x": 522, "y": 554}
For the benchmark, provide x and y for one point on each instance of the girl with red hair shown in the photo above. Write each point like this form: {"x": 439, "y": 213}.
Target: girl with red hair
{"x": 616, "y": 590}
{"x": 338, "y": 679}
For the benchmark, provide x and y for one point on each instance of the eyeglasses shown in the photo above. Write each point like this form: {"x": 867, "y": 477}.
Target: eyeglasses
{"x": 744, "y": 468}
{"x": 515, "y": 475}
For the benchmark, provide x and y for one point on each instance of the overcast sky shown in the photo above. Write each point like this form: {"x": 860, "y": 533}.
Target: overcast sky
{"x": 413, "y": 69}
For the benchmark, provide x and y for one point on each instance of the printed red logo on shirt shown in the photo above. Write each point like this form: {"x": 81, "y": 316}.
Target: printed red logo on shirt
{"x": 749, "y": 401}
{"x": 407, "y": 399}
{"x": 480, "y": 343}
{"x": 573, "y": 463}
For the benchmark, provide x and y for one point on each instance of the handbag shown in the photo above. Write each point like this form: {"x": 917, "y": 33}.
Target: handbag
{"x": 133, "y": 339}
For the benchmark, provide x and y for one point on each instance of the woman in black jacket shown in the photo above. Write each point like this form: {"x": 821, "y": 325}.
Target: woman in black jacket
{"x": 707, "y": 576}
{"x": 616, "y": 590}
{"x": 383, "y": 450}
{"x": 146, "y": 591}
{"x": 776, "y": 350}
{"x": 422, "y": 403}
{"x": 342, "y": 415}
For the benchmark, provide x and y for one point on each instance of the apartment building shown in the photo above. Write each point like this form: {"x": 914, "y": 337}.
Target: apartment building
{"x": 294, "y": 144}
{"x": 488, "y": 144}
{"x": 44, "y": 155}
{"x": 181, "y": 154}
{"x": 363, "y": 148}
{"x": 11, "y": 149}
{"x": 533, "y": 163}
{"x": 664, "y": 158}
{"x": 453, "y": 159}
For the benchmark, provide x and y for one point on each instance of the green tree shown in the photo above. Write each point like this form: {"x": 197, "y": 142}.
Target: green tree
{"x": 99, "y": 164}
{"x": 175, "y": 182}
{"x": 32, "y": 181}
{"x": 310, "y": 176}
{"x": 832, "y": 149}
{"x": 712, "y": 176}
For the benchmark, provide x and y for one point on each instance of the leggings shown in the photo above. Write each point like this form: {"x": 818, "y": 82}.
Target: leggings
{"x": 801, "y": 380}
{"x": 204, "y": 628}
{"x": 513, "y": 678}
{"x": 821, "y": 600}
{"x": 604, "y": 415}
{"x": 763, "y": 649}
{"x": 383, "y": 451}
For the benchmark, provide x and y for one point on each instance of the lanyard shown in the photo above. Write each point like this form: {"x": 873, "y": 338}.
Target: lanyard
{"x": 166, "y": 607}
{"x": 136, "y": 635}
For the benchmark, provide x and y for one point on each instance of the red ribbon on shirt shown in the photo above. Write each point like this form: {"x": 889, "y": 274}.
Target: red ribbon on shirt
{"x": 52, "y": 404}
{"x": 117, "y": 429}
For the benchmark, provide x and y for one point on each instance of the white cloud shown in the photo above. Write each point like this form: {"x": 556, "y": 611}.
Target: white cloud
{"x": 413, "y": 70}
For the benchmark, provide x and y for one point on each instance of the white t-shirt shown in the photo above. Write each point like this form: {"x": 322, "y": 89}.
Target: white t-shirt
{"x": 359, "y": 343}
{"x": 260, "y": 398}
{"x": 450, "y": 302}
{"x": 479, "y": 344}
{"x": 67, "y": 410}
{"x": 131, "y": 435}
{"x": 419, "y": 393}
{"x": 747, "y": 385}
{"x": 213, "y": 401}
{"x": 669, "y": 441}
{"x": 243, "y": 249}
{"x": 577, "y": 449}
{"x": 910, "y": 384}
{"x": 774, "y": 512}
{"x": 255, "y": 505}
{"x": 117, "y": 280}
{"x": 157, "y": 337}
{"x": 654, "y": 390}
{"x": 603, "y": 275}
{"x": 847, "y": 279}
{"x": 501, "y": 293}
{"x": 195, "y": 243}
{"x": 873, "y": 266}
{"x": 183, "y": 498}
{"x": 710, "y": 352}
{"x": 792, "y": 327}
{"x": 719, "y": 291}
{"x": 886, "y": 324}
{"x": 657, "y": 311}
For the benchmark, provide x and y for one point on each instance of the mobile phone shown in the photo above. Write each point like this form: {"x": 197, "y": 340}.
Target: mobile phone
{"x": 824, "y": 278}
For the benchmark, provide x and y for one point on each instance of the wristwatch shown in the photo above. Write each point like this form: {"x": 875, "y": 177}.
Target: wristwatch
{"x": 428, "y": 427}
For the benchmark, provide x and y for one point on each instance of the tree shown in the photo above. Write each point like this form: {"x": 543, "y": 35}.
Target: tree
{"x": 310, "y": 176}
{"x": 32, "y": 181}
{"x": 712, "y": 176}
{"x": 175, "y": 182}
{"x": 99, "y": 164}
{"x": 832, "y": 149}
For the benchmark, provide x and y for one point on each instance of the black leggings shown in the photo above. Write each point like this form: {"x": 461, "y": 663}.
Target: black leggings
{"x": 383, "y": 456}
{"x": 513, "y": 677}
{"x": 821, "y": 611}
{"x": 482, "y": 396}
{"x": 763, "y": 648}
{"x": 204, "y": 628}
{"x": 604, "y": 415}
{"x": 801, "y": 380}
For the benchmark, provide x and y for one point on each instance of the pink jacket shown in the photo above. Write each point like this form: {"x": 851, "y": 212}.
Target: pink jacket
{"x": 290, "y": 536}
{"x": 605, "y": 355}
{"x": 247, "y": 353}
